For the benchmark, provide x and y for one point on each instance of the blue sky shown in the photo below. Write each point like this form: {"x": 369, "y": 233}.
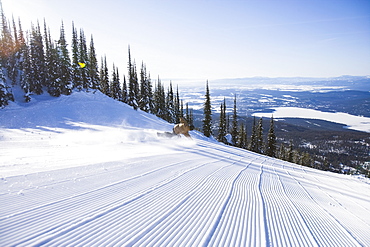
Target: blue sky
{"x": 217, "y": 39}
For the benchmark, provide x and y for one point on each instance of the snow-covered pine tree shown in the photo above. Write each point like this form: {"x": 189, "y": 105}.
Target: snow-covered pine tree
{"x": 92, "y": 67}
{"x": 75, "y": 71}
{"x": 5, "y": 94}
{"x": 124, "y": 91}
{"x": 37, "y": 80}
{"x": 26, "y": 74}
{"x": 52, "y": 65}
{"x": 159, "y": 99}
{"x": 7, "y": 58}
{"x": 104, "y": 77}
{"x": 49, "y": 70}
{"x": 133, "y": 87}
{"x": 6, "y": 49}
{"x": 170, "y": 105}
{"x": 12, "y": 63}
{"x": 114, "y": 85}
{"x": 119, "y": 85}
{"x": 66, "y": 84}
{"x": 21, "y": 43}
{"x": 207, "y": 121}
{"x": 150, "y": 94}
{"x": 83, "y": 59}
{"x": 145, "y": 90}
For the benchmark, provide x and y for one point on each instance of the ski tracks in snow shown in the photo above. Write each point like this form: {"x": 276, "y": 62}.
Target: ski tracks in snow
{"x": 209, "y": 195}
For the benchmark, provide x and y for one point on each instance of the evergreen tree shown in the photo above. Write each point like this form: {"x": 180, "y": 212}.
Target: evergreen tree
{"x": 222, "y": 123}
{"x": 12, "y": 61}
{"x": 177, "y": 110}
{"x": 119, "y": 97}
{"x": 191, "y": 119}
{"x": 66, "y": 84}
{"x": 289, "y": 155}
{"x": 145, "y": 90}
{"x": 22, "y": 45}
{"x": 114, "y": 86}
{"x": 253, "y": 146}
{"x": 282, "y": 152}
{"x": 187, "y": 115}
{"x": 49, "y": 70}
{"x": 37, "y": 80}
{"x": 159, "y": 100}
{"x": 26, "y": 74}
{"x": 124, "y": 93}
{"x": 52, "y": 65}
{"x": 242, "y": 137}
{"x": 234, "y": 130}
{"x": 182, "y": 108}
{"x": 306, "y": 160}
{"x": 259, "y": 136}
{"x": 76, "y": 72}
{"x": 170, "y": 105}
{"x": 104, "y": 78}
{"x": 83, "y": 59}
{"x": 207, "y": 121}
{"x": 6, "y": 43}
{"x": 150, "y": 94}
{"x": 5, "y": 94}
{"x": 92, "y": 67}
{"x": 52, "y": 68}
{"x": 133, "y": 92}
{"x": 271, "y": 140}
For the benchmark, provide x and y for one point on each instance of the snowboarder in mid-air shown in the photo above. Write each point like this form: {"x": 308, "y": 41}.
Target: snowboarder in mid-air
{"x": 180, "y": 128}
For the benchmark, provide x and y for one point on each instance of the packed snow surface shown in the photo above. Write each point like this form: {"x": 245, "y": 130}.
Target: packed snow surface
{"x": 85, "y": 170}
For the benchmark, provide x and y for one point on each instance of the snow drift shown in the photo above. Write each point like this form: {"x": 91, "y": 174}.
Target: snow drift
{"x": 85, "y": 170}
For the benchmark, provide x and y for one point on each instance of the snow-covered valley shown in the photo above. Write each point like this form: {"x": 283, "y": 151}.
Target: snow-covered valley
{"x": 85, "y": 170}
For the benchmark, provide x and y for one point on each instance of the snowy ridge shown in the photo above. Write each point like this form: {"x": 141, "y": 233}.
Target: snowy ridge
{"x": 108, "y": 180}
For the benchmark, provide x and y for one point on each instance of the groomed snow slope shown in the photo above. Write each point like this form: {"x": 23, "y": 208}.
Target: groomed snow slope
{"x": 84, "y": 170}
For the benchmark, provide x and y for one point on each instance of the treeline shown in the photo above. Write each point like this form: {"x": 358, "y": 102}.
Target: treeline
{"x": 233, "y": 132}
{"x": 36, "y": 62}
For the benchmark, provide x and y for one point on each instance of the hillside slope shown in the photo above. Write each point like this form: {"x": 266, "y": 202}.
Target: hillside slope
{"x": 85, "y": 170}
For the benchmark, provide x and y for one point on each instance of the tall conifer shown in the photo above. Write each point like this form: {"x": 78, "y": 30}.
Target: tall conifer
{"x": 234, "y": 130}
{"x": 83, "y": 59}
{"x": 92, "y": 66}
{"x": 271, "y": 140}
{"x": 259, "y": 132}
{"x": 66, "y": 83}
{"x": 104, "y": 77}
{"x": 132, "y": 82}
{"x": 207, "y": 121}
{"x": 222, "y": 124}
{"x": 76, "y": 72}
